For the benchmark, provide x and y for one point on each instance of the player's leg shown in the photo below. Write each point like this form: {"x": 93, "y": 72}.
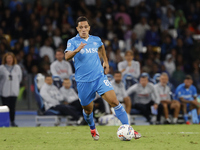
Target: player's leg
{"x": 120, "y": 112}
{"x": 145, "y": 110}
{"x": 105, "y": 89}
{"x": 86, "y": 95}
{"x": 88, "y": 115}
{"x": 127, "y": 102}
{"x": 165, "y": 110}
{"x": 175, "y": 105}
{"x": 160, "y": 111}
{"x": 185, "y": 115}
{"x": 195, "y": 105}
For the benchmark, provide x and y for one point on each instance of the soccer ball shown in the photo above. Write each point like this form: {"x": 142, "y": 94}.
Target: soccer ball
{"x": 125, "y": 133}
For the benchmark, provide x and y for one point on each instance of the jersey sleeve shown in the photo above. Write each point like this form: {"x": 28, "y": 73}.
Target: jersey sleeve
{"x": 194, "y": 91}
{"x": 100, "y": 43}
{"x": 70, "y": 46}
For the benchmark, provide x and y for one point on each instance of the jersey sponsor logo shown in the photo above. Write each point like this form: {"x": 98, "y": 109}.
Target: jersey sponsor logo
{"x": 91, "y": 50}
{"x": 68, "y": 45}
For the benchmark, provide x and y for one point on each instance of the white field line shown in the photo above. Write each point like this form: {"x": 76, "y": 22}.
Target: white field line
{"x": 172, "y": 133}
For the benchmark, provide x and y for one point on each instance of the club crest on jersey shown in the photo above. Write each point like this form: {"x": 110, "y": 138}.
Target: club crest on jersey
{"x": 82, "y": 51}
{"x": 68, "y": 45}
{"x": 95, "y": 43}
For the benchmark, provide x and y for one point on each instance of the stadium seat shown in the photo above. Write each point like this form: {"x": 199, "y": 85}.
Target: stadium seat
{"x": 129, "y": 80}
{"x": 156, "y": 77}
{"x": 57, "y": 81}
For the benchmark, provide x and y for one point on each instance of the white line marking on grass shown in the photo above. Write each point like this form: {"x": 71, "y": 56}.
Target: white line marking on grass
{"x": 59, "y": 133}
{"x": 171, "y": 133}
{"x": 189, "y": 132}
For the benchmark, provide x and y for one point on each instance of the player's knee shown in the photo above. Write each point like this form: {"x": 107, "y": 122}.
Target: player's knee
{"x": 164, "y": 105}
{"x": 127, "y": 100}
{"x": 178, "y": 105}
{"x": 114, "y": 103}
{"x": 88, "y": 111}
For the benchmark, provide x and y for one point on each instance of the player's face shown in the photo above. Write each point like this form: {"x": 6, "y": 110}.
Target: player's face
{"x": 49, "y": 80}
{"x": 59, "y": 56}
{"x": 9, "y": 60}
{"x": 164, "y": 79}
{"x": 188, "y": 83}
{"x": 144, "y": 81}
{"x": 67, "y": 84}
{"x": 83, "y": 29}
{"x": 118, "y": 77}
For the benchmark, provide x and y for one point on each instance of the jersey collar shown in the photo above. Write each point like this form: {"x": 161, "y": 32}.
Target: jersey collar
{"x": 82, "y": 38}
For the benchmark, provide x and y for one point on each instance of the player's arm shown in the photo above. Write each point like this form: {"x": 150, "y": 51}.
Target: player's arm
{"x": 184, "y": 100}
{"x": 102, "y": 52}
{"x": 70, "y": 54}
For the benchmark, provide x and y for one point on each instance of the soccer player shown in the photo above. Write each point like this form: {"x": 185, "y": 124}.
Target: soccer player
{"x": 90, "y": 74}
{"x": 186, "y": 93}
{"x": 165, "y": 99}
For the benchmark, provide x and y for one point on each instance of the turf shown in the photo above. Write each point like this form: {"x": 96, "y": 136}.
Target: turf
{"x": 168, "y": 137}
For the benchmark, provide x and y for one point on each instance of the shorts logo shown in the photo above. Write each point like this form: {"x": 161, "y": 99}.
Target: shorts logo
{"x": 68, "y": 45}
{"x": 107, "y": 83}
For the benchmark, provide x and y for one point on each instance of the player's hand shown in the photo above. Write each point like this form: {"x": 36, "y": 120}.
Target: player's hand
{"x": 194, "y": 102}
{"x": 81, "y": 46}
{"x": 106, "y": 68}
{"x": 155, "y": 106}
{"x": 123, "y": 70}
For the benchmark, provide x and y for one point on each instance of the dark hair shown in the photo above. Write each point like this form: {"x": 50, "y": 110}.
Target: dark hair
{"x": 80, "y": 19}
{"x": 66, "y": 79}
{"x": 47, "y": 75}
{"x": 117, "y": 72}
{"x": 129, "y": 52}
{"x": 59, "y": 50}
{"x": 188, "y": 77}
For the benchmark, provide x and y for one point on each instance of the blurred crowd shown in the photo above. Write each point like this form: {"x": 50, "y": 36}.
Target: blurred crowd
{"x": 162, "y": 34}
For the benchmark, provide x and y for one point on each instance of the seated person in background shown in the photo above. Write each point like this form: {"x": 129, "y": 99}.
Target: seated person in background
{"x": 70, "y": 96}
{"x": 120, "y": 91}
{"x": 145, "y": 96}
{"x": 61, "y": 67}
{"x": 186, "y": 93}
{"x": 129, "y": 66}
{"x": 52, "y": 100}
{"x": 165, "y": 99}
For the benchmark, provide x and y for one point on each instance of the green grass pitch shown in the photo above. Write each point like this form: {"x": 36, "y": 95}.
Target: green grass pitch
{"x": 160, "y": 137}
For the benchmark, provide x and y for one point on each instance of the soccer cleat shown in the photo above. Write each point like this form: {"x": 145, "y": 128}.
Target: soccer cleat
{"x": 95, "y": 134}
{"x": 167, "y": 121}
{"x": 137, "y": 135}
{"x": 187, "y": 122}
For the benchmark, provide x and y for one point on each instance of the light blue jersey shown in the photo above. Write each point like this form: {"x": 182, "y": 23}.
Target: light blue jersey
{"x": 187, "y": 94}
{"x": 87, "y": 62}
